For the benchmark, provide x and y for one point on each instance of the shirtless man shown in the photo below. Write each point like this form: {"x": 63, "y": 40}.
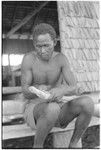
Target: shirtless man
{"x": 44, "y": 69}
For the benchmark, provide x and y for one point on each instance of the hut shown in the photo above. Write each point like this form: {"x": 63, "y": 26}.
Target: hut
{"x": 79, "y": 34}
{"x": 77, "y": 27}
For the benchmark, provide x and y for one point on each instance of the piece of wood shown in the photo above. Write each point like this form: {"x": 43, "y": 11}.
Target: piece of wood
{"x": 10, "y": 118}
{"x": 11, "y": 90}
{"x": 22, "y": 130}
{"x": 26, "y": 19}
{"x": 12, "y": 107}
{"x": 22, "y": 36}
{"x": 97, "y": 147}
{"x": 17, "y": 131}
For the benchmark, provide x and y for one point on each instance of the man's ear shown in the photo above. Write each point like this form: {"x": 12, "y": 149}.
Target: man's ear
{"x": 55, "y": 42}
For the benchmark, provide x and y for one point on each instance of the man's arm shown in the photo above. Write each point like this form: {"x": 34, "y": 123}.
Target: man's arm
{"x": 70, "y": 88}
{"x": 26, "y": 78}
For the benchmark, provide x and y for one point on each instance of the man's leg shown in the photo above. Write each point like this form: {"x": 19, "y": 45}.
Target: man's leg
{"x": 46, "y": 118}
{"x": 83, "y": 109}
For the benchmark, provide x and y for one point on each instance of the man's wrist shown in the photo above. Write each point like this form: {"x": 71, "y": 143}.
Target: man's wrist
{"x": 63, "y": 89}
{"x": 78, "y": 91}
{"x": 69, "y": 90}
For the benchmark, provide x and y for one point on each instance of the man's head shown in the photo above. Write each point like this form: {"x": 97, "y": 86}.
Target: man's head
{"x": 44, "y": 28}
{"x": 44, "y": 40}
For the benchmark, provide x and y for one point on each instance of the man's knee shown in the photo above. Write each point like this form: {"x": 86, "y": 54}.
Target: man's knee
{"x": 86, "y": 104}
{"x": 52, "y": 111}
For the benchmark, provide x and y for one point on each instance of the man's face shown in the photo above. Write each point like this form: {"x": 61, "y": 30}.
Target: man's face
{"x": 44, "y": 46}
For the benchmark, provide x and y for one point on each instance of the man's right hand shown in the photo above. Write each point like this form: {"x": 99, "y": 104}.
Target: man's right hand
{"x": 44, "y": 87}
{"x": 56, "y": 95}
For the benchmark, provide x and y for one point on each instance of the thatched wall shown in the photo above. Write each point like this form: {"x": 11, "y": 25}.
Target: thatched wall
{"x": 79, "y": 37}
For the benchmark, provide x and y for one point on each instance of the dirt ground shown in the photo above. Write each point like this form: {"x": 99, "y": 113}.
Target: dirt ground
{"x": 90, "y": 139}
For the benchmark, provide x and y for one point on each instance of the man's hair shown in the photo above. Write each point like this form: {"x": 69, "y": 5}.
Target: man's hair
{"x": 44, "y": 28}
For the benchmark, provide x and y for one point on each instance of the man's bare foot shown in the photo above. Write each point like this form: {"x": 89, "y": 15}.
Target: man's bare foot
{"x": 74, "y": 146}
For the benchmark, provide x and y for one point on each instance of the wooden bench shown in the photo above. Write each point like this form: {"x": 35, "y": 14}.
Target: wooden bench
{"x": 13, "y": 111}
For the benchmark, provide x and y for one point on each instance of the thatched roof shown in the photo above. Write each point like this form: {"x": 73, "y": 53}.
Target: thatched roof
{"x": 16, "y": 12}
{"x": 18, "y": 20}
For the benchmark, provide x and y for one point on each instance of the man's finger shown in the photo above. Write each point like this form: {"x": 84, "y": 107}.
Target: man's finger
{"x": 51, "y": 98}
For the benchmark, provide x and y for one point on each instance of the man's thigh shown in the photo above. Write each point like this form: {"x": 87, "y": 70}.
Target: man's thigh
{"x": 39, "y": 110}
{"x": 66, "y": 115}
{"x": 68, "y": 112}
{"x": 50, "y": 111}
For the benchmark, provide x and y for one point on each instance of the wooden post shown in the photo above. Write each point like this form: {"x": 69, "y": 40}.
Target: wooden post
{"x": 12, "y": 83}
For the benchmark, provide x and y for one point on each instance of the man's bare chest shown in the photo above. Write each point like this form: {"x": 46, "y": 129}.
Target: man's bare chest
{"x": 46, "y": 73}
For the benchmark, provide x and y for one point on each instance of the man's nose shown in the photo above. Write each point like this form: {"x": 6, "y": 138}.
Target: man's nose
{"x": 43, "y": 50}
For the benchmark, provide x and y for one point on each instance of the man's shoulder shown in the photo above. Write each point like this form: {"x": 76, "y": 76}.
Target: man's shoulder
{"x": 29, "y": 55}
{"x": 61, "y": 59}
{"x": 28, "y": 59}
{"x": 60, "y": 55}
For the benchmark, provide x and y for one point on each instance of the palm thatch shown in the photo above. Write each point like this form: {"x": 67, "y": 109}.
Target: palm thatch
{"x": 79, "y": 37}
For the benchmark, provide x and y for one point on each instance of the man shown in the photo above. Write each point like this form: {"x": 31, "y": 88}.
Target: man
{"x": 44, "y": 69}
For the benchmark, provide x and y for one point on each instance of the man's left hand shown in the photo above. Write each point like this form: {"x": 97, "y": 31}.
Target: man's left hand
{"x": 56, "y": 94}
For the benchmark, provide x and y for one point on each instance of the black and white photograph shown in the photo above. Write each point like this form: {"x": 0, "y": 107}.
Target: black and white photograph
{"x": 50, "y": 74}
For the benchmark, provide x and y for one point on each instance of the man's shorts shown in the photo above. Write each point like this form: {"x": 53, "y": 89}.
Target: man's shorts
{"x": 30, "y": 110}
